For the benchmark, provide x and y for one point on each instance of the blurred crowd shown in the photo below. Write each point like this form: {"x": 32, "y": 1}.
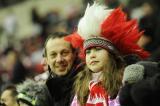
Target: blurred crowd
{"x": 7, "y": 3}
{"x": 23, "y": 58}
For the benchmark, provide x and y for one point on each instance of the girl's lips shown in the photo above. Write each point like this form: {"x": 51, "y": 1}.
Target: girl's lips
{"x": 93, "y": 62}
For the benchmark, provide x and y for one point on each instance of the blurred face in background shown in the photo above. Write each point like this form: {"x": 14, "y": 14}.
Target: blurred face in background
{"x": 8, "y": 99}
{"x": 44, "y": 64}
{"x": 59, "y": 56}
{"x": 97, "y": 59}
{"x": 9, "y": 61}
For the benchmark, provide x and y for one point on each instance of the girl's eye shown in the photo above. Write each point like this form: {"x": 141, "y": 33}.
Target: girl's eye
{"x": 88, "y": 51}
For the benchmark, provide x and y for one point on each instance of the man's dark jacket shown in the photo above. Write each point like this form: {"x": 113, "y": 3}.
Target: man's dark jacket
{"x": 61, "y": 88}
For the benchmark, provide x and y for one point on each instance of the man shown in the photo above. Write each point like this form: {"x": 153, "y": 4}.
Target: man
{"x": 8, "y": 96}
{"x": 59, "y": 54}
{"x": 62, "y": 65}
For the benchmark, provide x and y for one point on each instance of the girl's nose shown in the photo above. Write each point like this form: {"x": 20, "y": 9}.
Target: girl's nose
{"x": 92, "y": 54}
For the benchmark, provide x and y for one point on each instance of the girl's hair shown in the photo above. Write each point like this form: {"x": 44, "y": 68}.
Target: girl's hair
{"x": 111, "y": 79}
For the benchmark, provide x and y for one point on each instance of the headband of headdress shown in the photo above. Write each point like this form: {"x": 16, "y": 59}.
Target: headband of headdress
{"x": 109, "y": 29}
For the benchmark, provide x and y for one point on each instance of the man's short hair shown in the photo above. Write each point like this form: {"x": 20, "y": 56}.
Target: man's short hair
{"x": 54, "y": 36}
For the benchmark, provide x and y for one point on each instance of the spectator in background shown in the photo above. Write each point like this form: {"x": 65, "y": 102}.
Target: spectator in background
{"x": 36, "y": 18}
{"x": 37, "y": 21}
{"x": 9, "y": 95}
{"x": 48, "y": 23}
{"x": 44, "y": 76}
{"x": 140, "y": 84}
{"x": 150, "y": 24}
{"x": 10, "y": 26}
{"x": 73, "y": 15}
{"x": 14, "y": 66}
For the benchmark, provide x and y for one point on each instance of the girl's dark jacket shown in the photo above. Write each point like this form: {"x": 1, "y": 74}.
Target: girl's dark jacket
{"x": 61, "y": 88}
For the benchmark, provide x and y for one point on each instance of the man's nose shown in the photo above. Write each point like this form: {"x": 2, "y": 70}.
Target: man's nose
{"x": 59, "y": 58}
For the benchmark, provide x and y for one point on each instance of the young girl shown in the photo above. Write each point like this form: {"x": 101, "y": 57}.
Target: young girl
{"x": 104, "y": 36}
{"x": 100, "y": 81}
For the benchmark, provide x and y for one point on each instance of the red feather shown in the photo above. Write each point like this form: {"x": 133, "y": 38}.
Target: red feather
{"x": 122, "y": 33}
{"x": 77, "y": 42}
{"x": 75, "y": 39}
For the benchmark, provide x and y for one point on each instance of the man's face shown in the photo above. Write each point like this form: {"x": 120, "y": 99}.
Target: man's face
{"x": 60, "y": 56}
{"x": 8, "y": 99}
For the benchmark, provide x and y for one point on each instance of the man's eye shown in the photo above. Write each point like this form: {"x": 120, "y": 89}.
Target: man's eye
{"x": 65, "y": 53}
{"x": 53, "y": 55}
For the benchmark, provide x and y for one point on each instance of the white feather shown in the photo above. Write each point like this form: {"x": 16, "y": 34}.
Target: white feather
{"x": 90, "y": 24}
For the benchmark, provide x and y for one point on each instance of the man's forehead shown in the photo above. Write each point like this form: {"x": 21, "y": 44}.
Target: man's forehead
{"x": 58, "y": 43}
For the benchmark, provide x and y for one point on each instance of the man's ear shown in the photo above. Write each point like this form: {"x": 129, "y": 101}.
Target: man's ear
{"x": 46, "y": 59}
{"x": 49, "y": 69}
{"x": 50, "y": 73}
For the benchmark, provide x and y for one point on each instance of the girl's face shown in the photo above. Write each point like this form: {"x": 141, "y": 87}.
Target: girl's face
{"x": 97, "y": 59}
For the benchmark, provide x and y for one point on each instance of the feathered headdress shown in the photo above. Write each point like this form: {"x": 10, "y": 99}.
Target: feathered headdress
{"x": 107, "y": 28}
